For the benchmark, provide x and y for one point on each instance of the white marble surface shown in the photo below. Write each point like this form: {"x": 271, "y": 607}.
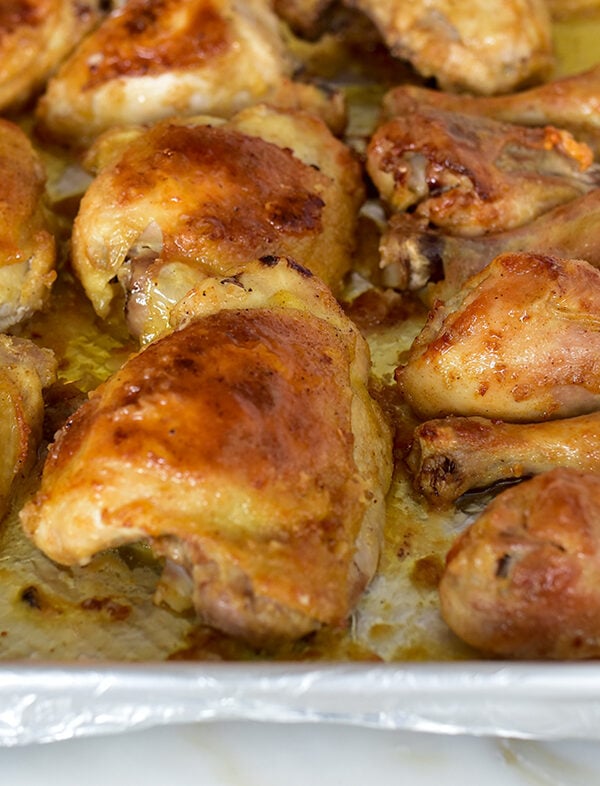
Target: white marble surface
{"x": 265, "y": 754}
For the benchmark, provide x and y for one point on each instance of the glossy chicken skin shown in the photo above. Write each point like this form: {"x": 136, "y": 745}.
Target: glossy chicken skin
{"x": 412, "y": 252}
{"x": 450, "y": 456}
{"x": 485, "y": 46}
{"x": 187, "y": 199}
{"x": 472, "y": 175}
{"x": 245, "y": 446}
{"x": 523, "y": 580}
{"x": 519, "y": 342}
{"x": 35, "y": 37}
{"x": 27, "y": 245}
{"x": 25, "y": 370}
{"x": 571, "y": 102}
{"x": 151, "y": 59}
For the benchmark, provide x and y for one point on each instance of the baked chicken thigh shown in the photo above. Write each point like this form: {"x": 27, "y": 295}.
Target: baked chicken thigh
{"x": 152, "y": 59}
{"x": 485, "y": 46}
{"x": 245, "y": 446}
{"x": 27, "y": 245}
{"x": 35, "y": 37}
{"x": 25, "y": 370}
{"x": 523, "y": 581}
{"x": 191, "y": 198}
{"x": 519, "y": 342}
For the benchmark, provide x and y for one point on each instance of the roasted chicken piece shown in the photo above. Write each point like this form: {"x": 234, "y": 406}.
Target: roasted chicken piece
{"x": 485, "y": 46}
{"x": 27, "y": 245}
{"x": 472, "y": 175}
{"x": 35, "y": 37}
{"x": 245, "y": 446}
{"x": 152, "y": 59}
{"x": 519, "y": 342}
{"x": 25, "y": 370}
{"x": 191, "y": 198}
{"x": 571, "y": 102}
{"x": 523, "y": 580}
{"x": 413, "y": 253}
{"x": 453, "y": 455}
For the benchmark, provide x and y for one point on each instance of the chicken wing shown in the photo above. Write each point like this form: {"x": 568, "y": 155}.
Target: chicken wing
{"x": 187, "y": 199}
{"x": 27, "y": 245}
{"x": 519, "y": 342}
{"x": 152, "y": 59}
{"x": 571, "y": 102}
{"x": 472, "y": 175}
{"x": 486, "y": 46}
{"x": 413, "y": 253}
{"x": 25, "y": 370}
{"x": 523, "y": 581}
{"x": 245, "y": 446}
{"x": 35, "y": 37}
{"x": 453, "y": 455}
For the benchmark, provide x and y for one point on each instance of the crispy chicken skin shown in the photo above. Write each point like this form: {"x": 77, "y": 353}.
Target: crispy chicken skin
{"x": 35, "y": 37}
{"x": 519, "y": 342}
{"x": 27, "y": 246}
{"x": 484, "y": 46}
{"x": 152, "y": 59}
{"x": 473, "y": 175}
{"x": 187, "y": 199}
{"x": 523, "y": 580}
{"x": 450, "y": 456}
{"x": 571, "y": 102}
{"x": 245, "y": 446}
{"x": 25, "y": 370}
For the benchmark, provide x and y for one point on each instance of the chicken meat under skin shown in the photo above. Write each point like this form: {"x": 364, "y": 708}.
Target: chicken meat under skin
{"x": 483, "y": 46}
{"x": 27, "y": 244}
{"x": 152, "y": 59}
{"x": 35, "y": 37}
{"x": 473, "y": 175}
{"x": 190, "y": 198}
{"x": 245, "y": 446}
{"x": 520, "y": 342}
{"x": 522, "y": 581}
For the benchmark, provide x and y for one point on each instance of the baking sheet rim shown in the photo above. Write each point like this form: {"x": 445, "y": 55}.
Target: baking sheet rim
{"x": 46, "y": 702}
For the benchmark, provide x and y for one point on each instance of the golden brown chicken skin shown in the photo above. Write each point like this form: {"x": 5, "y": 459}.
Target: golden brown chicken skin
{"x": 25, "y": 370}
{"x": 484, "y": 46}
{"x": 35, "y": 37}
{"x": 187, "y": 199}
{"x": 473, "y": 175}
{"x": 27, "y": 245}
{"x": 519, "y": 342}
{"x": 245, "y": 446}
{"x": 522, "y": 581}
{"x": 152, "y": 59}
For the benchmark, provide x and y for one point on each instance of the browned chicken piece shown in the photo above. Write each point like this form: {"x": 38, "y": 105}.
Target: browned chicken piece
{"x": 25, "y": 369}
{"x": 35, "y": 37}
{"x": 484, "y": 46}
{"x": 412, "y": 252}
{"x": 244, "y": 446}
{"x": 453, "y": 455}
{"x": 472, "y": 175}
{"x": 571, "y": 102}
{"x": 523, "y": 580}
{"x": 191, "y": 198}
{"x": 152, "y": 59}
{"x": 519, "y": 342}
{"x": 27, "y": 246}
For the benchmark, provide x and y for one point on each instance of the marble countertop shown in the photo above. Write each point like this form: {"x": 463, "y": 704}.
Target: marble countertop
{"x": 268, "y": 754}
